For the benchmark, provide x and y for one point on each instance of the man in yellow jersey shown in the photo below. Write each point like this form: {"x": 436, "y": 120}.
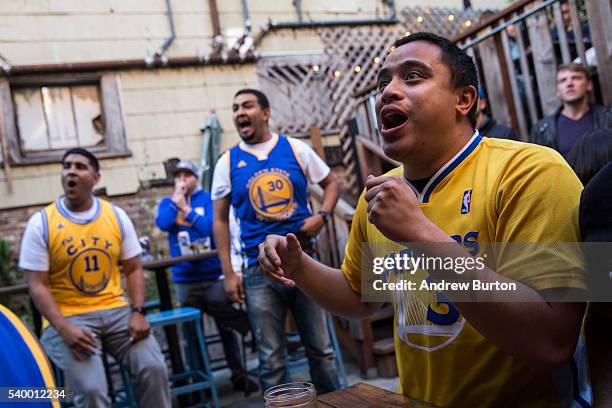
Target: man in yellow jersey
{"x": 71, "y": 251}
{"x": 460, "y": 190}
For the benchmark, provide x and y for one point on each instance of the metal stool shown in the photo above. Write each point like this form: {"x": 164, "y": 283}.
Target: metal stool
{"x": 201, "y": 377}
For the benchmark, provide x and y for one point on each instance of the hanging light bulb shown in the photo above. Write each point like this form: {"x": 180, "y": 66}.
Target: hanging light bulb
{"x": 315, "y": 68}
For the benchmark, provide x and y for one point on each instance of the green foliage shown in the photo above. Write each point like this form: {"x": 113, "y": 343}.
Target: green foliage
{"x": 8, "y": 267}
{"x": 9, "y": 275}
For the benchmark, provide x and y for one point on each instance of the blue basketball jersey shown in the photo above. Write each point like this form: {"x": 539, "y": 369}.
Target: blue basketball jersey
{"x": 270, "y": 196}
{"x": 22, "y": 360}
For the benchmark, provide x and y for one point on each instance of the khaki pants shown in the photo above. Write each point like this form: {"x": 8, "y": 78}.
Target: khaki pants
{"x": 87, "y": 379}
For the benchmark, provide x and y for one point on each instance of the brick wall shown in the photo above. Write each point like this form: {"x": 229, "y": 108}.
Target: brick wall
{"x": 141, "y": 207}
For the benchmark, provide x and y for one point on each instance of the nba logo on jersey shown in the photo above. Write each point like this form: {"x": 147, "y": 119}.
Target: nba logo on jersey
{"x": 466, "y": 202}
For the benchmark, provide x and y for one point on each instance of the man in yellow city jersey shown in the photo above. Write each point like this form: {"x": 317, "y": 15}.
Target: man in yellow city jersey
{"x": 71, "y": 251}
{"x": 460, "y": 190}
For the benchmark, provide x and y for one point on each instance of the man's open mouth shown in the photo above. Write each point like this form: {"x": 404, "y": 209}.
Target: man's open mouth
{"x": 392, "y": 118}
{"x": 71, "y": 183}
{"x": 244, "y": 124}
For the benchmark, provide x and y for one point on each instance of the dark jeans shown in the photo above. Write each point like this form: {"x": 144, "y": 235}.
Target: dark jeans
{"x": 210, "y": 297}
{"x": 267, "y": 303}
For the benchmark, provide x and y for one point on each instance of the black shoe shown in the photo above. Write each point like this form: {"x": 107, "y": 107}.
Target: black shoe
{"x": 244, "y": 384}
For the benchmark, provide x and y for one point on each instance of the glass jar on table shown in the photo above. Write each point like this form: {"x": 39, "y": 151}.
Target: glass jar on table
{"x": 291, "y": 395}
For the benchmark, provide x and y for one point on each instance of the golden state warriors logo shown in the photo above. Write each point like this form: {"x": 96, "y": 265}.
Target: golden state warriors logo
{"x": 427, "y": 321}
{"x": 90, "y": 270}
{"x": 271, "y": 194}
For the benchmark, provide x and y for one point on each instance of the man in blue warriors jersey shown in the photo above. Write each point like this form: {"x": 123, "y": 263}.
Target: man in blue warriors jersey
{"x": 71, "y": 251}
{"x": 23, "y": 363}
{"x": 457, "y": 190}
{"x": 265, "y": 179}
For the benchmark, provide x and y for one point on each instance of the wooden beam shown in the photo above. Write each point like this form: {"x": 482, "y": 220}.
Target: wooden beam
{"x": 3, "y": 142}
{"x": 377, "y": 150}
{"x": 600, "y": 16}
{"x": 316, "y": 141}
{"x": 544, "y": 61}
{"x": 494, "y": 79}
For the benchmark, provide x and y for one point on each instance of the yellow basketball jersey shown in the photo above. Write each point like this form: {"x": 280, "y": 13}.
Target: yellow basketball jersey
{"x": 83, "y": 258}
{"x": 492, "y": 191}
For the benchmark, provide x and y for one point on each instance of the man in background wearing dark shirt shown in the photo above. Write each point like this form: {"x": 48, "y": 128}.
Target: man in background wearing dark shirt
{"x": 576, "y": 117}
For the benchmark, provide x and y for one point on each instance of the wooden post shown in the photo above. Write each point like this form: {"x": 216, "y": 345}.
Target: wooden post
{"x": 496, "y": 78}
{"x": 576, "y": 26}
{"x": 316, "y": 141}
{"x": 531, "y": 100}
{"x": 600, "y": 18}
{"x": 544, "y": 62}
{"x": 5, "y": 160}
{"x": 561, "y": 34}
{"x": 519, "y": 113}
{"x": 5, "y": 97}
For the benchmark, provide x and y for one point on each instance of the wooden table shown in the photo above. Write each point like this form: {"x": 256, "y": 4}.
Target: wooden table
{"x": 160, "y": 267}
{"x": 367, "y": 396}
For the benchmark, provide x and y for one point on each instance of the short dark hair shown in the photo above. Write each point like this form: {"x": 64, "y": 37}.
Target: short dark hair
{"x": 461, "y": 66}
{"x": 93, "y": 160}
{"x": 261, "y": 97}
{"x": 590, "y": 154}
{"x": 575, "y": 68}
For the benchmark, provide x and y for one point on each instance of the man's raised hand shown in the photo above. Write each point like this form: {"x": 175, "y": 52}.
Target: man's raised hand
{"x": 393, "y": 208}
{"x": 279, "y": 257}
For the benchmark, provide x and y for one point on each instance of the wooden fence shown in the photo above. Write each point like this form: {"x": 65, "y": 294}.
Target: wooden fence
{"x": 517, "y": 52}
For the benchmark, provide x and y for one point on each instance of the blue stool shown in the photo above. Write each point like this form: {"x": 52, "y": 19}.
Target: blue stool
{"x": 201, "y": 377}
{"x": 298, "y": 360}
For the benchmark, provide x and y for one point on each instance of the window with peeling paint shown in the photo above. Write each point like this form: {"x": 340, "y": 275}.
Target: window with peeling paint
{"x": 42, "y": 116}
{"x": 58, "y": 117}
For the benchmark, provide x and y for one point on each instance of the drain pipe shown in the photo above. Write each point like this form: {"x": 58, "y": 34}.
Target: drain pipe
{"x": 391, "y": 18}
{"x": 298, "y": 10}
{"x": 217, "y": 42}
{"x": 392, "y": 11}
{"x": 172, "y": 36}
{"x": 5, "y": 65}
{"x": 246, "y": 16}
{"x": 270, "y": 26}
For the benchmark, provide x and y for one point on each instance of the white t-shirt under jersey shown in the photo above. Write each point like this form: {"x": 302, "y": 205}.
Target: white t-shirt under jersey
{"x": 34, "y": 254}
{"x": 315, "y": 168}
